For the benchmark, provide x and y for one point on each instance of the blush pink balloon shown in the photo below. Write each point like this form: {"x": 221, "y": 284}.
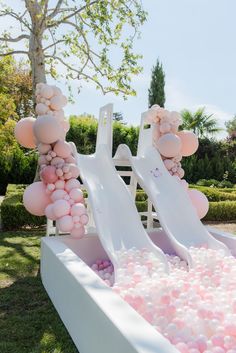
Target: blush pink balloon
{"x": 189, "y": 143}
{"x": 58, "y": 102}
{"x": 24, "y": 132}
{"x": 77, "y": 232}
{"x": 62, "y": 149}
{"x": 43, "y": 148}
{"x": 46, "y": 91}
{"x": 46, "y": 129}
{"x": 76, "y": 195}
{"x": 58, "y": 194}
{"x": 59, "y": 114}
{"x": 61, "y": 208}
{"x": 74, "y": 170}
{"x": 66, "y": 125}
{"x": 42, "y": 160}
{"x": 35, "y": 198}
{"x": 169, "y": 145}
{"x": 70, "y": 160}
{"x": 199, "y": 201}
{"x": 41, "y": 109}
{"x": 57, "y": 160}
{"x": 49, "y": 212}
{"x": 78, "y": 209}
{"x": 65, "y": 223}
{"x": 84, "y": 219}
{"x": 56, "y": 91}
{"x": 169, "y": 164}
{"x": 48, "y": 174}
{"x": 60, "y": 184}
{"x": 164, "y": 128}
{"x": 72, "y": 184}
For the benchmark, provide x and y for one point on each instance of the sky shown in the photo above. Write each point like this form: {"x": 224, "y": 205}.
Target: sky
{"x": 195, "y": 41}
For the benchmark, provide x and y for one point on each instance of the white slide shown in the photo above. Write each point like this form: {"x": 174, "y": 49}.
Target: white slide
{"x": 175, "y": 211}
{"x": 117, "y": 221}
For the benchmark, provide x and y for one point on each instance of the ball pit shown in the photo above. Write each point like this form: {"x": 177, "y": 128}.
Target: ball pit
{"x": 195, "y": 309}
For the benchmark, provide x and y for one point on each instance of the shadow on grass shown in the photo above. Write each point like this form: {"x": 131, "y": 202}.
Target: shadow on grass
{"x": 28, "y": 321}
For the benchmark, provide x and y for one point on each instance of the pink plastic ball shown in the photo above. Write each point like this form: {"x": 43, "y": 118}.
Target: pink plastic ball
{"x": 65, "y": 223}
{"x": 189, "y": 142}
{"x": 78, "y": 232}
{"x": 24, "y": 132}
{"x": 49, "y": 212}
{"x": 41, "y": 109}
{"x": 35, "y": 198}
{"x": 72, "y": 184}
{"x": 199, "y": 201}
{"x": 62, "y": 149}
{"x": 78, "y": 209}
{"x": 46, "y": 91}
{"x": 48, "y": 174}
{"x": 169, "y": 145}
{"x": 76, "y": 195}
{"x": 46, "y": 129}
{"x": 58, "y": 194}
{"x": 61, "y": 208}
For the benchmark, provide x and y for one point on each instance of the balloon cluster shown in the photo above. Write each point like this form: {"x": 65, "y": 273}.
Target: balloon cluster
{"x": 58, "y": 194}
{"x": 173, "y": 145}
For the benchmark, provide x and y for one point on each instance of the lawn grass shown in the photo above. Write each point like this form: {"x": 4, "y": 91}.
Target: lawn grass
{"x": 28, "y": 321}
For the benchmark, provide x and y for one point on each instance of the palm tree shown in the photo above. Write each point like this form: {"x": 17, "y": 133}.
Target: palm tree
{"x": 200, "y": 122}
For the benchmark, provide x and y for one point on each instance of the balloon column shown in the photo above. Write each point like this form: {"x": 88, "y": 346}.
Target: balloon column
{"x": 58, "y": 194}
{"x": 173, "y": 145}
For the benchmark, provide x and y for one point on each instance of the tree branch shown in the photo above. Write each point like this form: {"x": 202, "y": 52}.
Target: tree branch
{"x": 56, "y": 10}
{"x": 14, "y": 52}
{"x": 16, "y": 17}
{"x": 17, "y": 39}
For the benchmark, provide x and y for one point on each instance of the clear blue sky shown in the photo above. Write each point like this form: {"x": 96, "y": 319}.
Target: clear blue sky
{"x": 196, "y": 42}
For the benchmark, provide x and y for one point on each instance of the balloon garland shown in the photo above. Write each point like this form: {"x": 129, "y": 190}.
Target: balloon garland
{"x": 173, "y": 145}
{"x": 58, "y": 194}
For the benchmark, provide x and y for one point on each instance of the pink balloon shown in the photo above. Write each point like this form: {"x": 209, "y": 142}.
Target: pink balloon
{"x": 199, "y": 201}
{"x": 74, "y": 170}
{"x": 72, "y": 184}
{"x": 58, "y": 195}
{"x": 49, "y": 212}
{"x": 41, "y": 109}
{"x": 59, "y": 114}
{"x": 84, "y": 219}
{"x": 164, "y": 128}
{"x": 57, "y": 160}
{"x": 66, "y": 125}
{"x": 58, "y": 102}
{"x": 169, "y": 145}
{"x": 46, "y": 91}
{"x": 65, "y": 223}
{"x": 43, "y": 148}
{"x": 42, "y": 160}
{"x": 35, "y": 198}
{"x": 62, "y": 149}
{"x": 24, "y": 132}
{"x": 180, "y": 172}
{"x": 78, "y": 209}
{"x": 56, "y": 91}
{"x": 169, "y": 164}
{"x": 61, "y": 208}
{"x": 46, "y": 129}
{"x": 70, "y": 159}
{"x": 76, "y": 195}
{"x": 48, "y": 174}
{"x": 77, "y": 232}
{"x": 60, "y": 184}
{"x": 189, "y": 143}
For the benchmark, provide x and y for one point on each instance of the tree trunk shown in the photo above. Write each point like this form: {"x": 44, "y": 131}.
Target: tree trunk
{"x": 37, "y": 60}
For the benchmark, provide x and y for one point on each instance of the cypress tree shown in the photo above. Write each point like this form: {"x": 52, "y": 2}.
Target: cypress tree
{"x": 156, "y": 92}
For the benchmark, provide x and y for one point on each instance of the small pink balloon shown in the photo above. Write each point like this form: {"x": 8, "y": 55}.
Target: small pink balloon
{"x": 199, "y": 201}
{"x": 84, "y": 219}
{"x": 46, "y": 129}
{"x": 58, "y": 102}
{"x": 74, "y": 170}
{"x": 76, "y": 219}
{"x": 51, "y": 187}
{"x": 49, "y": 212}
{"x": 169, "y": 164}
{"x": 67, "y": 176}
{"x": 60, "y": 184}
{"x": 78, "y": 209}
{"x": 164, "y": 128}
{"x": 180, "y": 172}
{"x": 57, "y": 160}
{"x": 24, "y": 133}
{"x": 189, "y": 142}
{"x": 56, "y": 91}
{"x": 65, "y": 223}
{"x": 59, "y": 172}
{"x": 77, "y": 232}
{"x": 58, "y": 194}
{"x": 62, "y": 149}
{"x": 61, "y": 208}
{"x": 35, "y": 198}
{"x": 169, "y": 145}
{"x": 70, "y": 160}
{"x": 48, "y": 174}
{"x": 76, "y": 195}
{"x": 43, "y": 148}
{"x": 41, "y": 109}
{"x": 72, "y": 184}
{"x": 42, "y": 160}
{"x": 46, "y": 91}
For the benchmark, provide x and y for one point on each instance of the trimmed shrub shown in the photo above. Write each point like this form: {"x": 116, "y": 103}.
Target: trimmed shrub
{"x": 214, "y": 194}
{"x": 224, "y": 211}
